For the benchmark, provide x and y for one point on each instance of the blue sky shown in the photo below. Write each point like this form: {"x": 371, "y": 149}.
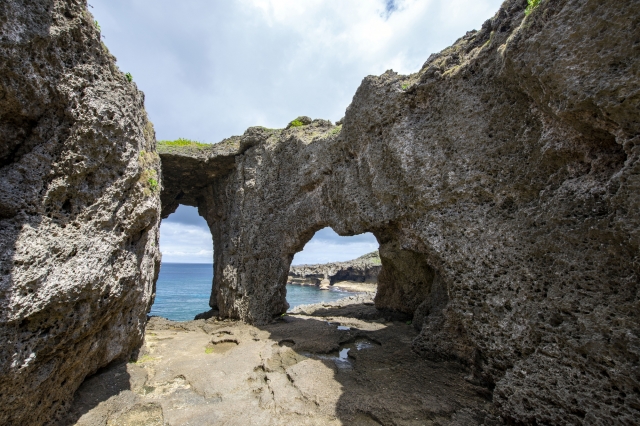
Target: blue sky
{"x": 210, "y": 69}
{"x": 185, "y": 237}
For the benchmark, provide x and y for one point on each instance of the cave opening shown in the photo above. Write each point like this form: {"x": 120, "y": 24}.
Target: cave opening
{"x": 331, "y": 267}
{"x": 184, "y": 283}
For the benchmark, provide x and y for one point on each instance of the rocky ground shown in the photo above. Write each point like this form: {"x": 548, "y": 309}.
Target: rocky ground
{"x": 356, "y": 286}
{"x": 320, "y": 366}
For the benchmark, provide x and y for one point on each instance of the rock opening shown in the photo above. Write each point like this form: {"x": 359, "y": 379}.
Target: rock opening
{"x": 183, "y": 288}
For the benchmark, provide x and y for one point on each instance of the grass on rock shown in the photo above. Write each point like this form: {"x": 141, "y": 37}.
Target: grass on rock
{"x": 184, "y": 142}
{"x": 532, "y": 5}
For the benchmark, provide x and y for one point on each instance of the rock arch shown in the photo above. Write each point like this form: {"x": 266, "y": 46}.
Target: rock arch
{"x": 505, "y": 202}
{"x": 265, "y": 194}
{"x": 501, "y": 181}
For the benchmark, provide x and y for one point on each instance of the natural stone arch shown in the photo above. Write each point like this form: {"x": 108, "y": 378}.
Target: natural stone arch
{"x": 511, "y": 195}
{"x": 268, "y": 200}
{"x": 509, "y": 170}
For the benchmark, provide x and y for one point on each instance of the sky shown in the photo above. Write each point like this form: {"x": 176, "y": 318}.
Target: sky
{"x": 211, "y": 68}
{"x": 185, "y": 238}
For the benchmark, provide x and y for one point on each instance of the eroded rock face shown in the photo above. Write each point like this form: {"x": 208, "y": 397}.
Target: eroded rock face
{"x": 503, "y": 183}
{"x": 79, "y": 208}
{"x": 364, "y": 269}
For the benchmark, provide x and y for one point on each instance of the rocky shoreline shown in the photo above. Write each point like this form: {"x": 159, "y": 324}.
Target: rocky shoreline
{"x": 501, "y": 180}
{"x": 326, "y": 364}
{"x": 352, "y": 275}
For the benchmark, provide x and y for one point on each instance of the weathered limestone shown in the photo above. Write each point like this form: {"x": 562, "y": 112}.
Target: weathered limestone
{"x": 503, "y": 183}
{"x": 79, "y": 208}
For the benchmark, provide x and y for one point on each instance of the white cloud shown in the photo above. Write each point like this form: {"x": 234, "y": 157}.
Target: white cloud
{"x": 212, "y": 69}
{"x": 327, "y": 246}
{"x": 181, "y": 243}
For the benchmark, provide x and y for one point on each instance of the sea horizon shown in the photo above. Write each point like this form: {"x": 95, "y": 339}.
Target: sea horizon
{"x": 183, "y": 290}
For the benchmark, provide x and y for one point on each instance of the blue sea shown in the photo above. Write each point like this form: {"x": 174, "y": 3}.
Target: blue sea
{"x": 183, "y": 291}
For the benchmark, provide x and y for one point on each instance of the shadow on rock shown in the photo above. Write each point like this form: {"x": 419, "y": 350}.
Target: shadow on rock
{"x": 300, "y": 369}
{"x": 381, "y": 380}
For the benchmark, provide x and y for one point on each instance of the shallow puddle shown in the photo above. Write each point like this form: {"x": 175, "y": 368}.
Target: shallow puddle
{"x": 342, "y": 360}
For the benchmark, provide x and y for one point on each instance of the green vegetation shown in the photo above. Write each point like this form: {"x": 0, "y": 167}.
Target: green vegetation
{"x": 129, "y": 77}
{"x": 149, "y": 181}
{"x": 153, "y": 184}
{"x": 336, "y": 130}
{"x": 97, "y": 25}
{"x": 148, "y": 162}
{"x": 148, "y": 159}
{"x": 299, "y": 122}
{"x": 532, "y": 5}
{"x": 405, "y": 86}
{"x": 208, "y": 350}
{"x": 184, "y": 142}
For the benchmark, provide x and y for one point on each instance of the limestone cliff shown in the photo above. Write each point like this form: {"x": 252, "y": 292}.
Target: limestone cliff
{"x": 364, "y": 269}
{"x": 502, "y": 181}
{"x": 79, "y": 207}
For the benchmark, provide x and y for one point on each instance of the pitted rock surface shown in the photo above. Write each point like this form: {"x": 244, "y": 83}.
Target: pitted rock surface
{"x": 502, "y": 181}
{"x": 78, "y": 210}
{"x": 203, "y": 373}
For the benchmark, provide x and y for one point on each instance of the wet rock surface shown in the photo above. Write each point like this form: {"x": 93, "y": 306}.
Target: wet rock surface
{"x": 501, "y": 181}
{"x": 78, "y": 210}
{"x": 298, "y": 370}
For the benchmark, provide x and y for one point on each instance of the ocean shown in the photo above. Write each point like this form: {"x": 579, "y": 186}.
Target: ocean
{"x": 183, "y": 291}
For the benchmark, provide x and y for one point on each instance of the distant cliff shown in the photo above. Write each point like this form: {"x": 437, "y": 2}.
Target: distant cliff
{"x": 364, "y": 269}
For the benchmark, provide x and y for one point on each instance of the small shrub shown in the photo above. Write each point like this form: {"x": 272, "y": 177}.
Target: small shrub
{"x": 97, "y": 25}
{"x": 149, "y": 182}
{"x": 336, "y": 130}
{"x": 532, "y": 5}
{"x": 153, "y": 184}
{"x": 405, "y": 86}
{"x": 129, "y": 77}
{"x": 300, "y": 121}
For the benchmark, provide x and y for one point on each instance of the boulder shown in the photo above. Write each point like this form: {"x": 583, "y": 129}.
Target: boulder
{"x": 79, "y": 208}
